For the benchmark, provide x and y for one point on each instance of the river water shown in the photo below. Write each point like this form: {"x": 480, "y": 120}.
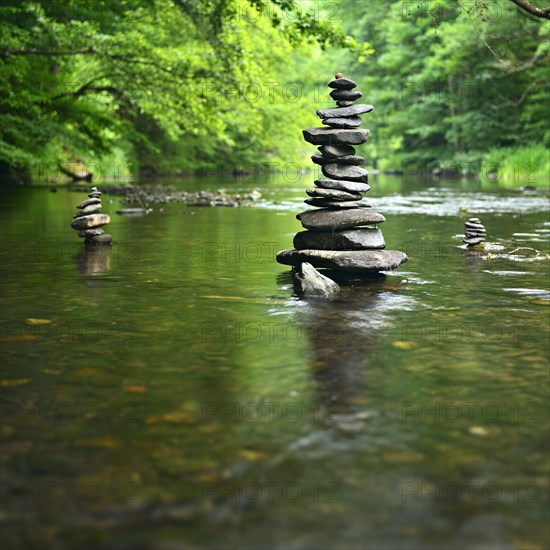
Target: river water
{"x": 172, "y": 392}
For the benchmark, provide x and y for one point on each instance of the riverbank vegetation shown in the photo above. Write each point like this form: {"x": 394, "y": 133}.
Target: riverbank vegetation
{"x": 144, "y": 87}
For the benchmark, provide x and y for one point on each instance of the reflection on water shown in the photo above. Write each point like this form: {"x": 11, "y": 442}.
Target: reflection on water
{"x": 175, "y": 320}
{"x": 93, "y": 260}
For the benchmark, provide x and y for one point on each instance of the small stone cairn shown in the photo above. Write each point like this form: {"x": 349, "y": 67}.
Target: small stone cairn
{"x": 89, "y": 220}
{"x": 474, "y": 233}
{"x": 342, "y": 233}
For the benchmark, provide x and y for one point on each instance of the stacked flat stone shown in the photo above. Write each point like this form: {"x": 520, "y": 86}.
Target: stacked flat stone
{"x": 474, "y": 232}
{"x": 342, "y": 234}
{"x": 89, "y": 220}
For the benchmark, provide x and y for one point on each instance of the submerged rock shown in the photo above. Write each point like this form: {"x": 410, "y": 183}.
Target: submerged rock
{"x": 309, "y": 282}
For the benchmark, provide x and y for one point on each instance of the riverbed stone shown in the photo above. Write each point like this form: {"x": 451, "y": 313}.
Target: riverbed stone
{"x": 333, "y": 194}
{"x": 342, "y": 84}
{"x": 344, "y": 103}
{"x": 366, "y": 261}
{"x": 349, "y": 239}
{"x": 325, "y": 219}
{"x": 91, "y": 232}
{"x": 345, "y": 172}
{"x": 344, "y": 185}
{"x": 345, "y": 95}
{"x": 348, "y": 159}
{"x": 344, "y": 112}
{"x": 332, "y": 151}
{"x": 351, "y": 122}
{"x": 93, "y": 220}
{"x": 335, "y": 136}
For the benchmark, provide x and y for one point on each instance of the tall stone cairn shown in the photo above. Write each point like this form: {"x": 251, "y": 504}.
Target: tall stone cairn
{"x": 342, "y": 232}
{"x": 89, "y": 220}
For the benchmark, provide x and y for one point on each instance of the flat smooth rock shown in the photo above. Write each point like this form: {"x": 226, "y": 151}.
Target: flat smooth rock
{"x": 325, "y": 219}
{"x": 344, "y": 103}
{"x": 93, "y": 220}
{"x": 348, "y": 159}
{"x": 344, "y": 112}
{"x": 345, "y": 95}
{"x": 342, "y": 84}
{"x": 474, "y": 226}
{"x": 327, "y": 203}
{"x": 99, "y": 239}
{"x": 473, "y": 240}
{"x": 335, "y": 136}
{"x": 350, "y": 186}
{"x": 476, "y": 233}
{"x": 87, "y": 210}
{"x": 334, "y": 194}
{"x": 345, "y": 172}
{"x": 309, "y": 282}
{"x": 349, "y": 239}
{"x": 345, "y": 260}
{"x": 87, "y": 202}
{"x": 351, "y": 122}
{"x": 90, "y": 232}
{"x": 331, "y": 151}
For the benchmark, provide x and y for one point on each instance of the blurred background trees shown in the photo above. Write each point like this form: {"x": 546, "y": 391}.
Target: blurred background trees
{"x": 165, "y": 87}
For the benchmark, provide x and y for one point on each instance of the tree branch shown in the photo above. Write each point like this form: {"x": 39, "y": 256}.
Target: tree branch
{"x": 533, "y": 10}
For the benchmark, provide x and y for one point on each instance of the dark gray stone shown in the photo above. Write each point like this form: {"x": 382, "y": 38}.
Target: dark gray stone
{"x": 342, "y": 84}
{"x": 90, "y": 232}
{"x": 351, "y": 122}
{"x": 333, "y": 194}
{"x": 345, "y": 172}
{"x": 331, "y": 151}
{"x": 309, "y": 282}
{"x": 473, "y": 240}
{"x": 93, "y": 220}
{"x": 350, "y": 186}
{"x": 350, "y": 239}
{"x": 474, "y": 226}
{"x": 348, "y": 159}
{"x": 366, "y": 261}
{"x": 336, "y": 136}
{"x": 99, "y": 239}
{"x": 325, "y": 219}
{"x": 345, "y": 95}
{"x": 327, "y": 203}
{"x": 344, "y": 103}
{"x": 87, "y": 210}
{"x": 87, "y": 202}
{"x": 344, "y": 112}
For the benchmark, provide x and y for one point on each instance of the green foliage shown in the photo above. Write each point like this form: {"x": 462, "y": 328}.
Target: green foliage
{"x": 178, "y": 84}
{"x": 451, "y": 80}
{"x": 519, "y": 166}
